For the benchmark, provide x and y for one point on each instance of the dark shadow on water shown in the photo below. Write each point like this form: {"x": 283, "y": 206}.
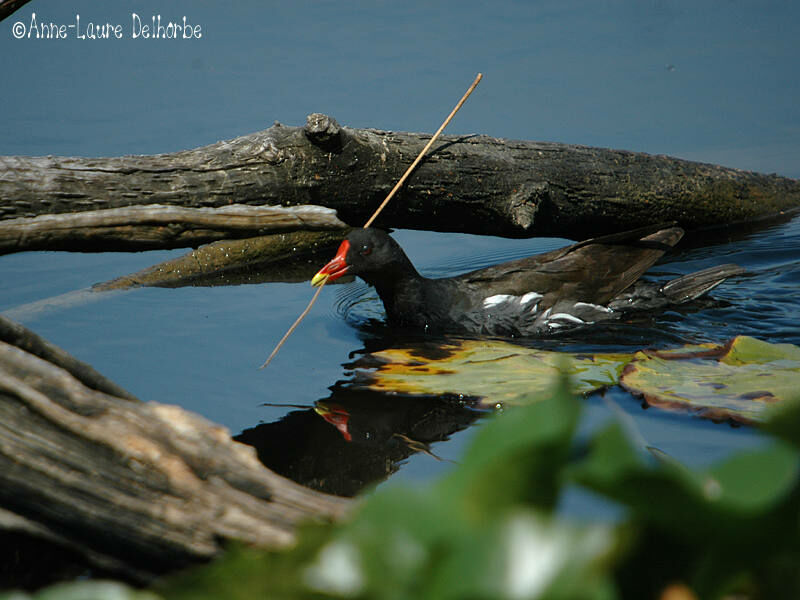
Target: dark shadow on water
{"x": 353, "y": 439}
{"x": 737, "y": 232}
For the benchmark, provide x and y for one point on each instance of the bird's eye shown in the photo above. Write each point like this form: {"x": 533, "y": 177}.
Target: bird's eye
{"x": 365, "y": 250}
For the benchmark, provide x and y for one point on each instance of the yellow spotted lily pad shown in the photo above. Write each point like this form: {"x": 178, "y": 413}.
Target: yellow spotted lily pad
{"x": 739, "y": 380}
{"x": 496, "y": 372}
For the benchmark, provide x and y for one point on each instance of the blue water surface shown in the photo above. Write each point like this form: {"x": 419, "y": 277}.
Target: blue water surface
{"x": 714, "y": 82}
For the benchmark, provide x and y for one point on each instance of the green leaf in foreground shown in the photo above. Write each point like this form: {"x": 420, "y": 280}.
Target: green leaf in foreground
{"x": 518, "y": 457}
{"x": 721, "y": 500}
{"x": 783, "y": 421}
{"x": 85, "y": 590}
{"x": 739, "y": 380}
{"x": 728, "y": 520}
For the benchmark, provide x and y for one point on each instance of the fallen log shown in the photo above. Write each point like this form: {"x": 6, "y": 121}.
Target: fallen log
{"x": 137, "y": 488}
{"x": 473, "y": 183}
{"x": 157, "y": 226}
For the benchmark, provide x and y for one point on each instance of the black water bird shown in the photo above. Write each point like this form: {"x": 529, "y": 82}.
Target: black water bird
{"x": 592, "y": 281}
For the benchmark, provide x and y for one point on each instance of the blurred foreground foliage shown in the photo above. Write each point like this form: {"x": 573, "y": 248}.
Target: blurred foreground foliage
{"x": 492, "y": 529}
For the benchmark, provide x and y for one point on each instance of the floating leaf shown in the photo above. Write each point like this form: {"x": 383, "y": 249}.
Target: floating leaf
{"x": 739, "y": 380}
{"x": 495, "y": 371}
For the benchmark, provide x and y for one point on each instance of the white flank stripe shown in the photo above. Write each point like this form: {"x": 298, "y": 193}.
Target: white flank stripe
{"x": 566, "y": 317}
{"x": 493, "y": 301}
{"x": 530, "y": 296}
{"x": 594, "y": 306}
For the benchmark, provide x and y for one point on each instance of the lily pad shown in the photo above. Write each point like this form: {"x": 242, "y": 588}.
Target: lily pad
{"x": 496, "y": 372}
{"x": 739, "y": 380}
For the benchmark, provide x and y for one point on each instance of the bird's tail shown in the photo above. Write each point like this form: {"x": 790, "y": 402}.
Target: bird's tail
{"x": 646, "y": 296}
{"x": 691, "y": 286}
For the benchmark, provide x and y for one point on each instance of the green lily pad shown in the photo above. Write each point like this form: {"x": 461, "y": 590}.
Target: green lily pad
{"x": 494, "y": 371}
{"x": 739, "y": 380}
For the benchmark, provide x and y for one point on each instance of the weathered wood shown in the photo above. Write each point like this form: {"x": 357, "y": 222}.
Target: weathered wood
{"x": 157, "y": 226}
{"x": 14, "y": 334}
{"x": 471, "y": 183}
{"x": 137, "y": 487}
{"x": 287, "y": 257}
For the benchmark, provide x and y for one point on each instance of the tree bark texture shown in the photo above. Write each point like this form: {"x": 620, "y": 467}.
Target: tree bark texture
{"x": 138, "y": 488}
{"x": 158, "y": 226}
{"x": 472, "y": 183}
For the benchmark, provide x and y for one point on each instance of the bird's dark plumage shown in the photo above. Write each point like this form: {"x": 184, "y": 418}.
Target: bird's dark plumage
{"x": 577, "y": 285}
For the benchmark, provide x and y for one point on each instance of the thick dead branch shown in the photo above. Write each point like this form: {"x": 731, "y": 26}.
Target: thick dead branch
{"x": 136, "y": 487}
{"x": 157, "y": 226}
{"x": 474, "y": 183}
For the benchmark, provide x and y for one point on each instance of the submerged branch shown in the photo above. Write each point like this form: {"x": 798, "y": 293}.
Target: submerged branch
{"x": 286, "y": 257}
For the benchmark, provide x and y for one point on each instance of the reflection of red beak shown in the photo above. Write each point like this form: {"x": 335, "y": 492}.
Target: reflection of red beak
{"x": 336, "y": 415}
{"x": 334, "y": 269}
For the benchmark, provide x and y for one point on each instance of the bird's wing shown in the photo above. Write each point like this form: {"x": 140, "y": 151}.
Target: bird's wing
{"x": 594, "y": 270}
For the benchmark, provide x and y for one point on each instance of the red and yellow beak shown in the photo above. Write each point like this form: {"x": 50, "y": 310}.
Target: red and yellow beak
{"x": 335, "y": 268}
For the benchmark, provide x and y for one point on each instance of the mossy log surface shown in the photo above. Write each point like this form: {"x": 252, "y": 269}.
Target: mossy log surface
{"x": 471, "y": 183}
{"x": 285, "y": 257}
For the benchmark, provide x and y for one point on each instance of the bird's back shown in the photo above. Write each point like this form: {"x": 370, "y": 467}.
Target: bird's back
{"x": 593, "y": 271}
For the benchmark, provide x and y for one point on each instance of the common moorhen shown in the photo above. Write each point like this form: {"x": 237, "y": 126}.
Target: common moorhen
{"x": 594, "y": 280}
